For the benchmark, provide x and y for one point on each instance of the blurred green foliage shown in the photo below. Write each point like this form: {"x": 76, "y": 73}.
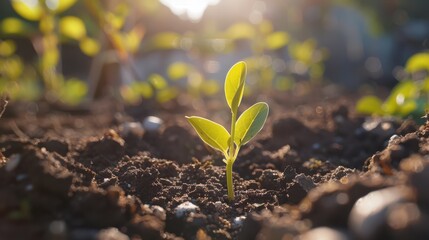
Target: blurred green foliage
{"x": 410, "y": 97}
{"x": 99, "y": 28}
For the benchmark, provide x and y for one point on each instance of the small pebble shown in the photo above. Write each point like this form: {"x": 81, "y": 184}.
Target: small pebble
{"x": 185, "y": 208}
{"x": 393, "y": 138}
{"x": 159, "y": 212}
{"x": 218, "y": 204}
{"x": 369, "y": 213}
{"x": 324, "y": 233}
{"x": 152, "y": 123}
{"x": 238, "y": 222}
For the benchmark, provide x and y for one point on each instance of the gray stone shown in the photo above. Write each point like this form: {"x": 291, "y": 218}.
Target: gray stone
{"x": 369, "y": 213}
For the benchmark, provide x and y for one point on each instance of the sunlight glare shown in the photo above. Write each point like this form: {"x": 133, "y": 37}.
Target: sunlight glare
{"x": 192, "y": 9}
{"x": 30, "y": 3}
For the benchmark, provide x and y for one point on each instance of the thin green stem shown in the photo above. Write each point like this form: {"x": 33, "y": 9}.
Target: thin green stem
{"x": 229, "y": 183}
{"x": 231, "y": 143}
{"x": 231, "y": 158}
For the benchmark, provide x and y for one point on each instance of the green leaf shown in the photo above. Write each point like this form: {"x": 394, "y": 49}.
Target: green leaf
{"x": 72, "y": 27}
{"x": 276, "y": 40}
{"x": 213, "y": 134}
{"x": 250, "y": 123}
{"x": 417, "y": 62}
{"x": 369, "y": 105}
{"x": 407, "y": 108}
{"x": 234, "y": 85}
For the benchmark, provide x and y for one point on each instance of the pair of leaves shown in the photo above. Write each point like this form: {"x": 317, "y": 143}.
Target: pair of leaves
{"x": 247, "y": 126}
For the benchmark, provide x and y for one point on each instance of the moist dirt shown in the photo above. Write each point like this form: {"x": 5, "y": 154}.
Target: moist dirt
{"x": 103, "y": 172}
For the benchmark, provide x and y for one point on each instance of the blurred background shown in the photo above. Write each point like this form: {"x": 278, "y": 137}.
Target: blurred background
{"x": 75, "y": 50}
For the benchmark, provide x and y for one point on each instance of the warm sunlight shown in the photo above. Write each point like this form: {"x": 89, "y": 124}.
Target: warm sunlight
{"x": 191, "y": 9}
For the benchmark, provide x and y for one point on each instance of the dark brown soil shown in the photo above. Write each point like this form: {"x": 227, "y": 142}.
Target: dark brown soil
{"x": 86, "y": 173}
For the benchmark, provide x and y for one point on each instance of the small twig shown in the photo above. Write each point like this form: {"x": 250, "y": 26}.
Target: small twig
{"x": 3, "y": 104}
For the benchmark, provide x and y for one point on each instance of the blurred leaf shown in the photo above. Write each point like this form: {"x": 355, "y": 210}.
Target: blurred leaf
{"x": 13, "y": 26}
{"x": 195, "y": 80}
{"x": 116, "y": 18}
{"x": 158, "y": 81}
{"x": 24, "y": 90}
{"x": 407, "y": 108}
{"x": 142, "y": 88}
{"x": 116, "y": 38}
{"x": 50, "y": 59}
{"x": 129, "y": 94}
{"x": 72, "y": 27}
{"x": 265, "y": 27}
{"x": 73, "y": 91}
{"x": 30, "y": 10}
{"x": 62, "y": 5}
{"x": 47, "y": 24}
{"x": 240, "y": 31}
{"x": 425, "y": 85}
{"x": 369, "y": 105}
{"x": 250, "y": 123}
{"x": 177, "y": 70}
{"x": 133, "y": 39}
{"x": 417, "y": 62}
{"x": 303, "y": 51}
{"x": 276, "y": 40}
{"x": 165, "y": 40}
{"x": 210, "y": 87}
{"x": 408, "y": 89}
{"x": 7, "y": 48}
{"x": 284, "y": 83}
{"x": 89, "y": 46}
{"x": 12, "y": 67}
{"x": 267, "y": 76}
{"x": 390, "y": 107}
{"x": 316, "y": 70}
{"x": 398, "y": 102}
{"x": 115, "y": 21}
{"x": 166, "y": 94}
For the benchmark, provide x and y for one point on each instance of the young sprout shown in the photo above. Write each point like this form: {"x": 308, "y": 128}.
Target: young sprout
{"x": 242, "y": 131}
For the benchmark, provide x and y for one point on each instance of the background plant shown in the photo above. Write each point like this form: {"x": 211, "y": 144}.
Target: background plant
{"x": 50, "y": 29}
{"x": 410, "y": 97}
{"x": 242, "y": 130}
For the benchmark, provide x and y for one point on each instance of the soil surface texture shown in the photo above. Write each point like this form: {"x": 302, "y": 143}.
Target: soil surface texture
{"x": 108, "y": 171}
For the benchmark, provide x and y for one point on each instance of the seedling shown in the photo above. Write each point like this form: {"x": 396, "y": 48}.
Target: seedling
{"x": 242, "y": 131}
